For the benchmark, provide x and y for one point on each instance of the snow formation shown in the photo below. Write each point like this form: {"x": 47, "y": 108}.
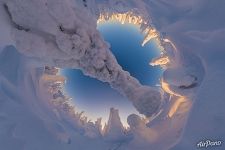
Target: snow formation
{"x": 57, "y": 33}
{"x": 36, "y": 114}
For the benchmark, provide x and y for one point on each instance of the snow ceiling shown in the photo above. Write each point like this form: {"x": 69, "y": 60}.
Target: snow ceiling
{"x": 51, "y": 34}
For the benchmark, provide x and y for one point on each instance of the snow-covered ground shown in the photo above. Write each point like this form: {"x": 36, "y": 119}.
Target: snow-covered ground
{"x": 35, "y": 114}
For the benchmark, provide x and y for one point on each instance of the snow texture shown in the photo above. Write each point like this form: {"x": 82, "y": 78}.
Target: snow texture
{"x": 36, "y": 114}
{"x": 57, "y": 33}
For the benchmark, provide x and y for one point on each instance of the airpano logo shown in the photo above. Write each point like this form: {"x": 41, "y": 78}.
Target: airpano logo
{"x": 209, "y": 143}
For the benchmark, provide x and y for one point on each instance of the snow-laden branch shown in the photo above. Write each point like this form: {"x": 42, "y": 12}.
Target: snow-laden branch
{"x": 63, "y": 34}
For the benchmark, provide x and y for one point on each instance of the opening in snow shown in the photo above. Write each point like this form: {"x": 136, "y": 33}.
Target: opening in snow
{"x": 117, "y": 76}
{"x": 133, "y": 47}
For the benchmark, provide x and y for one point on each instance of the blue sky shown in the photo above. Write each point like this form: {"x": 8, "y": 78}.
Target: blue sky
{"x": 95, "y": 97}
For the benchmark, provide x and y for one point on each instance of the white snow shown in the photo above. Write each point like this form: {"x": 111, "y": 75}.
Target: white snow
{"x": 36, "y": 114}
{"x": 41, "y": 30}
{"x": 5, "y": 29}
